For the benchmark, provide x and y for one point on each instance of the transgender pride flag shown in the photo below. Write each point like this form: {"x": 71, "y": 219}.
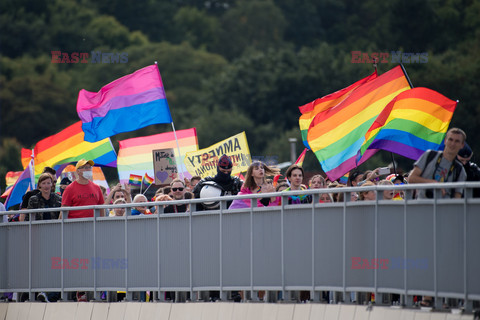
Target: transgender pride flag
{"x": 132, "y": 102}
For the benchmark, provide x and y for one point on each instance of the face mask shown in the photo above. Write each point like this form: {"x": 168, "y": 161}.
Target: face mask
{"x": 88, "y": 175}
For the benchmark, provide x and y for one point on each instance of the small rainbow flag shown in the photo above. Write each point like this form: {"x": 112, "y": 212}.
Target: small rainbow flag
{"x": 301, "y": 158}
{"x": 135, "y": 180}
{"x": 147, "y": 180}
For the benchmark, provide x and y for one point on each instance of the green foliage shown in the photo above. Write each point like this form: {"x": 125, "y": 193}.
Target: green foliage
{"x": 197, "y": 28}
{"x": 251, "y": 24}
{"x": 9, "y": 159}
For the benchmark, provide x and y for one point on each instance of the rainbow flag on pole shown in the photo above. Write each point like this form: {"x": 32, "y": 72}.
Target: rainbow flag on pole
{"x": 336, "y": 134}
{"x": 135, "y": 155}
{"x": 311, "y": 109}
{"x": 301, "y": 158}
{"x": 68, "y": 146}
{"x": 147, "y": 180}
{"x": 132, "y": 102}
{"x": 415, "y": 121}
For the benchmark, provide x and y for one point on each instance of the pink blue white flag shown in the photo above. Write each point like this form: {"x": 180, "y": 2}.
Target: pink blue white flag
{"x": 132, "y": 102}
{"x": 25, "y": 182}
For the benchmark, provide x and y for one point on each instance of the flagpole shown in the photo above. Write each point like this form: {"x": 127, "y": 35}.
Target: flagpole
{"x": 176, "y": 140}
{"x": 180, "y": 172}
{"x": 32, "y": 172}
{"x": 147, "y": 188}
{"x": 406, "y": 75}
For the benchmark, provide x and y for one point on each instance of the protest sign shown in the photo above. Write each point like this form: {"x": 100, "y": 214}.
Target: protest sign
{"x": 203, "y": 162}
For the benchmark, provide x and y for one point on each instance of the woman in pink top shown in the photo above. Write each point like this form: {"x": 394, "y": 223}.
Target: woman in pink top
{"x": 255, "y": 182}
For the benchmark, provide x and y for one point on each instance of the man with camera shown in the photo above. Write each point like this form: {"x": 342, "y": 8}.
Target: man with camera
{"x": 441, "y": 166}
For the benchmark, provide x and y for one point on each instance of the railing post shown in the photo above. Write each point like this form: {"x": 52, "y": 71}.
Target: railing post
{"x": 314, "y": 295}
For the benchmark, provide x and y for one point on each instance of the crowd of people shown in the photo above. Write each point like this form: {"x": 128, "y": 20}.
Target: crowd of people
{"x": 450, "y": 165}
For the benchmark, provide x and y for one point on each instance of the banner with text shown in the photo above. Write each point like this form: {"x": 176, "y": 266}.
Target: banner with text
{"x": 203, "y": 162}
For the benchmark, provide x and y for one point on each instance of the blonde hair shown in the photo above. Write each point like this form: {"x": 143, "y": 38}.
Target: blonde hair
{"x": 361, "y": 195}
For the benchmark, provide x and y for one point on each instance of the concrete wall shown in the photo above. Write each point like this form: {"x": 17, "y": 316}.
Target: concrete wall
{"x": 211, "y": 311}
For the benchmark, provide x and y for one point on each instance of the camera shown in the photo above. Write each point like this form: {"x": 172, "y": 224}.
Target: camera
{"x": 384, "y": 171}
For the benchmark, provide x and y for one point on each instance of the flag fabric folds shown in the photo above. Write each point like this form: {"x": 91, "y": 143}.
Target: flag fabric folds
{"x": 69, "y": 146}
{"x": 135, "y": 180}
{"x": 132, "y": 102}
{"x": 415, "y": 121}
{"x": 310, "y": 110}
{"x": 301, "y": 158}
{"x": 135, "y": 155}
{"x": 25, "y": 182}
{"x": 336, "y": 134}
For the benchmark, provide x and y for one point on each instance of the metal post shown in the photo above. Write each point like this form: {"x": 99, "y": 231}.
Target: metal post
{"x": 293, "y": 151}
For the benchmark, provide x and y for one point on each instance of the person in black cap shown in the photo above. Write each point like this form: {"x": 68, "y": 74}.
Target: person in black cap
{"x": 63, "y": 184}
{"x": 473, "y": 171}
{"x": 223, "y": 179}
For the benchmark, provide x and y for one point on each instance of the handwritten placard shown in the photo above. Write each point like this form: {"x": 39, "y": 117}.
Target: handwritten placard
{"x": 164, "y": 166}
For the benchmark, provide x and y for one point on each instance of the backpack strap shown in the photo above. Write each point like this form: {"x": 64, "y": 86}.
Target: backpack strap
{"x": 431, "y": 154}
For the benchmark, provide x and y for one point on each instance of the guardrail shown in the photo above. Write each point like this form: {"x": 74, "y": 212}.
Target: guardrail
{"x": 408, "y": 247}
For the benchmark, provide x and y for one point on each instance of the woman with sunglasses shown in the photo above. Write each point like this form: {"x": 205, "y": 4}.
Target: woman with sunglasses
{"x": 255, "y": 182}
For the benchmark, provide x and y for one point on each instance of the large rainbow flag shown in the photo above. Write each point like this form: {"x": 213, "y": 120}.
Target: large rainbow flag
{"x": 132, "y": 102}
{"x": 311, "y": 109}
{"x": 69, "y": 146}
{"x": 336, "y": 134}
{"x": 415, "y": 121}
{"x": 135, "y": 155}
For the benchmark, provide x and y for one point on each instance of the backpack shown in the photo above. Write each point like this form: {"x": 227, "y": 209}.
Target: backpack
{"x": 457, "y": 169}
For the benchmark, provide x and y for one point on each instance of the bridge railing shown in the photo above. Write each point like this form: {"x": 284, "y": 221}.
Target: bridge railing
{"x": 408, "y": 247}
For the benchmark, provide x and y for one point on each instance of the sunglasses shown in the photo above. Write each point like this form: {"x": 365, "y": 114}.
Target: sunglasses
{"x": 177, "y": 189}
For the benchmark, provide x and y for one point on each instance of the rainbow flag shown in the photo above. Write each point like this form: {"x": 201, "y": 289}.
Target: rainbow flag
{"x": 68, "y": 146}
{"x": 135, "y": 155}
{"x": 135, "y": 180}
{"x": 25, "y": 182}
{"x": 132, "y": 102}
{"x": 147, "y": 180}
{"x": 415, "y": 121}
{"x": 310, "y": 110}
{"x": 301, "y": 158}
{"x": 336, "y": 134}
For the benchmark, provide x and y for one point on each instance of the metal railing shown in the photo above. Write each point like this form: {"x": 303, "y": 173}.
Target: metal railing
{"x": 408, "y": 247}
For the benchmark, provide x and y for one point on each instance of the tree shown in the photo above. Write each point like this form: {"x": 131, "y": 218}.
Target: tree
{"x": 251, "y": 24}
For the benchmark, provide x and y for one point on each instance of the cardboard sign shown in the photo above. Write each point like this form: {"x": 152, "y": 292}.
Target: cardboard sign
{"x": 164, "y": 166}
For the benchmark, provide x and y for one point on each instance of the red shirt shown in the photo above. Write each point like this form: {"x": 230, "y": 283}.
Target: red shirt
{"x": 76, "y": 195}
